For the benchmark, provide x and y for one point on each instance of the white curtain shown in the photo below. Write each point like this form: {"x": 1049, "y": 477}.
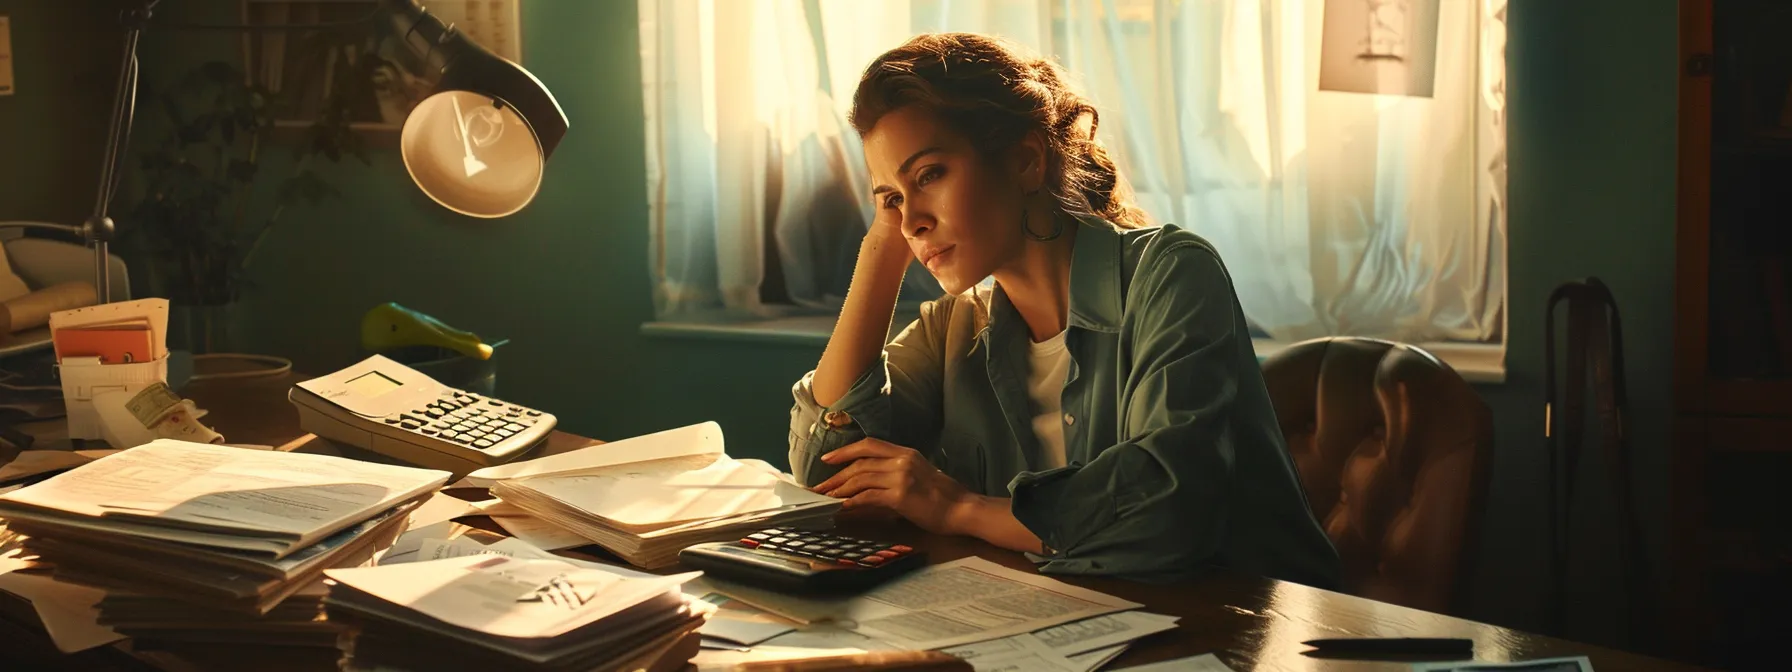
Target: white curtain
{"x": 1337, "y": 213}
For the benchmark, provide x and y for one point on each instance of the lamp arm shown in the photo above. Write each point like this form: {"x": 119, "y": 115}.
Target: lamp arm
{"x": 99, "y": 229}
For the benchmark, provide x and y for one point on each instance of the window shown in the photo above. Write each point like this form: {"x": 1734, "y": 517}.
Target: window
{"x": 1337, "y": 213}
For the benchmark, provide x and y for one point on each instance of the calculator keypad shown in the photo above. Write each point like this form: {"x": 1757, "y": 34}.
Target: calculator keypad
{"x": 842, "y": 550}
{"x": 468, "y": 419}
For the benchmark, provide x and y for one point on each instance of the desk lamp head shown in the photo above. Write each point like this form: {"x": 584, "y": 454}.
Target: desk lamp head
{"x": 477, "y": 145}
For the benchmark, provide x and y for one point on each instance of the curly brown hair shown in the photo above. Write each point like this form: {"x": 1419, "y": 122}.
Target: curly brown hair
{"x": 996, "y": 92}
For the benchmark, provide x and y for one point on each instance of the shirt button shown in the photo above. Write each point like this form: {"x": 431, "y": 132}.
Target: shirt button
{"x": 1069, "y": 419}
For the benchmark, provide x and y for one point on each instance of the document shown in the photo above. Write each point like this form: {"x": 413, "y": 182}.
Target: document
{"x": 1570, "y": 664}
{"x": 1012, "y": 654}
{"x": 68, "y": 611}
{"x": 440, "y": 507}
{"x": 1093, "y": 660}
{"x": 1102, "y": 632}
{"x": 736, "y": 621}
{"x": 960, "y": 602}
{"x": 33, "y": 462}
{"x": 506, "y": 597}
{"x": 676, "y": 490}
{"x": 292, "y": 496}
{"x": 1202, "y": 663}
{"x": 699, "y": 439}
{"x": 535, "y": 531}
{"x": 1062, "y": 647}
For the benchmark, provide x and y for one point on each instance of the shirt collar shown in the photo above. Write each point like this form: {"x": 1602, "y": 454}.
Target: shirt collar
{"x": 1095, "y": 298}
{"x": 1095, "y": 267}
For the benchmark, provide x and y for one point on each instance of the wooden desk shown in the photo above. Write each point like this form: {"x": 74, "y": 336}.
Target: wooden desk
{"x": 1249, "y": 622}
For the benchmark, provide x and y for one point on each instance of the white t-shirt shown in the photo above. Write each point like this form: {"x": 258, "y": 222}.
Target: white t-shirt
{"x": 1050, "y": 366}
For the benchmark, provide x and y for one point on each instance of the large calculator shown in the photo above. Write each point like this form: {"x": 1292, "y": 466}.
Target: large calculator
{"x": 804, "y": 561}
{"x": 391, "y": 409}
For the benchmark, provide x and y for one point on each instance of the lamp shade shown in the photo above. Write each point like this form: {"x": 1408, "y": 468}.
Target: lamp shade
{"x": 478, "y": 145}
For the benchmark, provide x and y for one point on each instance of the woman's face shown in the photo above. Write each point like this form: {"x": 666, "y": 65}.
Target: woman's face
{"x": 959, "y": 211}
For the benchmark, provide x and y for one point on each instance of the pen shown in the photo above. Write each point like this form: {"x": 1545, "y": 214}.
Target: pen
{"x": 1412, "y": 645}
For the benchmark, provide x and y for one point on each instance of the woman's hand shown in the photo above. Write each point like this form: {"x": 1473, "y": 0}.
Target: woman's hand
{"x": 892, "y": 477}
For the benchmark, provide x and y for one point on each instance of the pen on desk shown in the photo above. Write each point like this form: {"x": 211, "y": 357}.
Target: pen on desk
{"x": 1412, "y": 645}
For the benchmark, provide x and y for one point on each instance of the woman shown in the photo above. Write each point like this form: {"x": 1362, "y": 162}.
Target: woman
{"x": 1100, "y": 407}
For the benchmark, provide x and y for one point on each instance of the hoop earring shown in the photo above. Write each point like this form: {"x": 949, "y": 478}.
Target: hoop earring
{"x": 1057, "y": 226}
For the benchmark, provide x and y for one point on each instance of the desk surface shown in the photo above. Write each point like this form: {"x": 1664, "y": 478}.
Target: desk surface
{"x": 1249, "y": 622}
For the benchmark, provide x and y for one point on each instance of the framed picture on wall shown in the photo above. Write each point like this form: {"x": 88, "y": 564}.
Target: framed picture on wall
{"x": 352, "y": 65}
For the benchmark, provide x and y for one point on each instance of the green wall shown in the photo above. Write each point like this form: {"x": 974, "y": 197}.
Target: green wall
{"x": 1591, "y": 193}
{"x": 1592, "y": 144}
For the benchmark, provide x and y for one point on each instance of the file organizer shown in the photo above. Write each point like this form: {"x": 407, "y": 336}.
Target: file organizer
{"x": 85, "y": 378}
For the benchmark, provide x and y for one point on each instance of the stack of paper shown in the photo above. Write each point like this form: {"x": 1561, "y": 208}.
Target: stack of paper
{"x": 487, "y": 611}
{"x": 187, "y": 536}
{"x": 647, "y": 498}
{"x": 298, "y": 621}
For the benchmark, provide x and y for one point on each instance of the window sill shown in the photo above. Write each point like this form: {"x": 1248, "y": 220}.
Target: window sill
{"x": 1481, "y": 363}
{"x": 804, "y": 330}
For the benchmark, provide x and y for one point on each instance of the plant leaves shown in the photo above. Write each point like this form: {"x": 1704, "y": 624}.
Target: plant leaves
{"x": 242, "y": 171}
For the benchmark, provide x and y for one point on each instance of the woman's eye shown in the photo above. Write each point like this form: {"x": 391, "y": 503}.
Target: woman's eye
{"x": 893, "y": 201}
{"x": 928, "y": 175}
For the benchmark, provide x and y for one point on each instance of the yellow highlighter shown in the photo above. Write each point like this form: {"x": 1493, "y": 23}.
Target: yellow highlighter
{"x": 390, "y": 326}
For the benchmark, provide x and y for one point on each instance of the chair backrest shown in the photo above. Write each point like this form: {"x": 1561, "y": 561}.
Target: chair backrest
{"x": 42, "y": 262}
{"x": 1392, "y": 447}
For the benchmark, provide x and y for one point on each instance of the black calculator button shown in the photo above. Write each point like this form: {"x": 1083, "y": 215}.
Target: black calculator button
{"x": 450, "y": 435}
{"x": 851, "y": 557}
{"x": 431, "y": 431}
{"x": 779, "y": 540}
{"x": 391, "y": 421}
{"x": 434, "y": 413}
{"x": 827, "y": 553}
{"x": 482, "y": 443}
{"x": 495, "y": 402}
{"x": 411, "y": 426}
{"x": 759, "y": 536}
{"x": 533, "y": 414}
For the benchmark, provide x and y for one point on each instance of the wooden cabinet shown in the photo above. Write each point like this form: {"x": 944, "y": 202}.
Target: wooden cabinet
{"x": 1730, "y": 555}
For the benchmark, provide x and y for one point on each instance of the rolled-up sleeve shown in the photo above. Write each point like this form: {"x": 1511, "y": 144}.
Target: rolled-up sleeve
{"x": 896, "y": 399}
{"x": 1153, "y": 506}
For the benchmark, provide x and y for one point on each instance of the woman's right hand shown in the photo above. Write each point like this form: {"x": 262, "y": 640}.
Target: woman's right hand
{"x": 885, "y": 233}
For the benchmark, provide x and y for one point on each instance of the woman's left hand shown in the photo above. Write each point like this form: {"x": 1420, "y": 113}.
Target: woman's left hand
{"x": 886, "y": 475}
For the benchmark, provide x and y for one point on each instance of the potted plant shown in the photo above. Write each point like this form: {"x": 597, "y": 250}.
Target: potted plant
{"x": 198, "y": 223}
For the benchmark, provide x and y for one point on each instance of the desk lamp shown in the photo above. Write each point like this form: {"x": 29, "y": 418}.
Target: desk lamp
{"x": 476, "y": 146}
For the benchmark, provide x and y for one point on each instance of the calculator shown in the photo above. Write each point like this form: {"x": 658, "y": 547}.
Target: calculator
{"x": 391, "y": 409}
{"x": 802, "y": 561}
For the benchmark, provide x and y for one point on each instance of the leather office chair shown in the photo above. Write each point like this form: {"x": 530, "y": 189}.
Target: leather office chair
{"x": 1392, "y": 448}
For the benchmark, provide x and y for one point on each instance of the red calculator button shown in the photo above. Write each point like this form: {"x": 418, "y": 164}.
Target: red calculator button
{"x": 848, "y": 563}
{"x": 888, "y": 554}
{"x": 872, "y": 559}
{"x": 750, "y": 543}
{"x": 899, "y": 548}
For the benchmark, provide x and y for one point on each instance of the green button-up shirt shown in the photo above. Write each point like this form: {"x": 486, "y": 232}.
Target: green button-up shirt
{"x": 1175, "y": 460}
